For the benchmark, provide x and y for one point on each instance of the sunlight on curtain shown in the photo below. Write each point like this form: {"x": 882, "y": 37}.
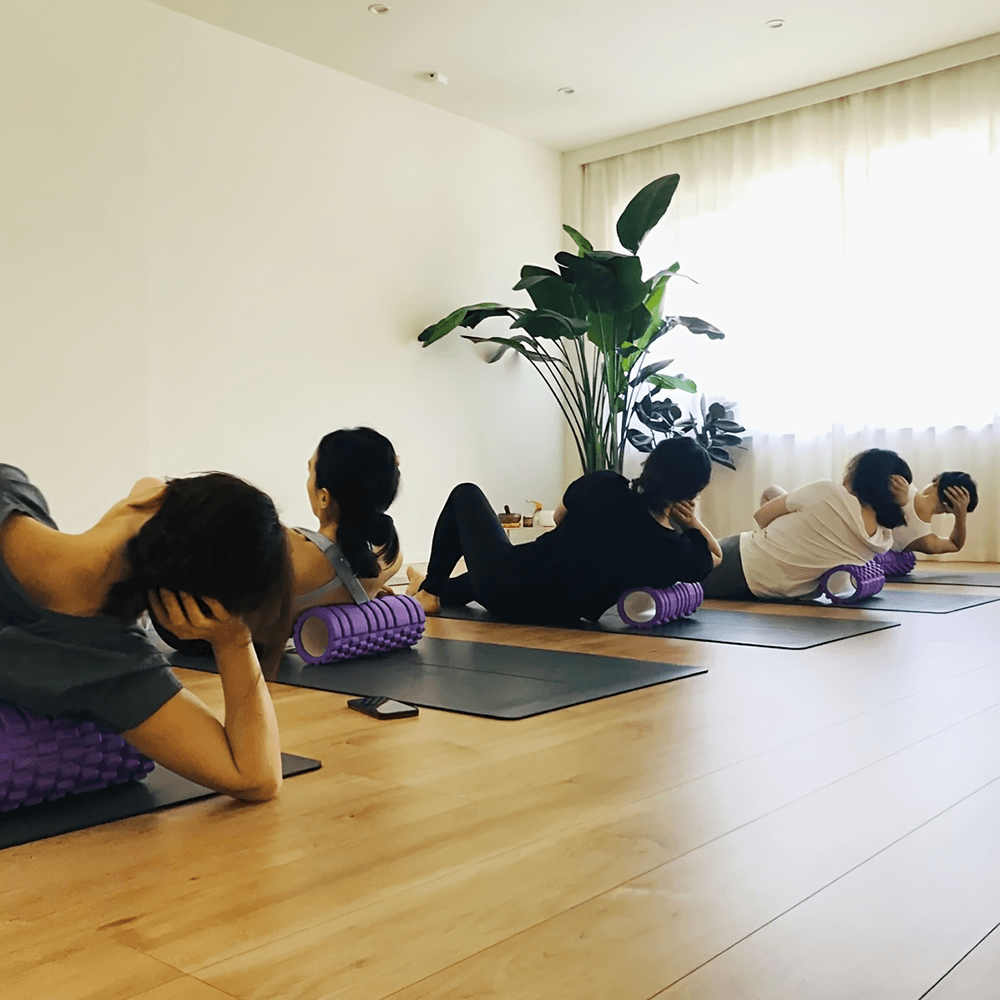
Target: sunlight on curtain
{"x": 850, "y": 252}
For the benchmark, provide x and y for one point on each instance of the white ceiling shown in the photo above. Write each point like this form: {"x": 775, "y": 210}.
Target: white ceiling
{"x": 634, "y": 64}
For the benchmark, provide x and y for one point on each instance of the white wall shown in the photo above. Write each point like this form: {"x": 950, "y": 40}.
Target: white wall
{"x": 73, "y": 392}
{"x": 219, "y": 251}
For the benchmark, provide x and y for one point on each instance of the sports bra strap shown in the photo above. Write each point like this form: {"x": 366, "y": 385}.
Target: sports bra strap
{"x": 341, "y": 568}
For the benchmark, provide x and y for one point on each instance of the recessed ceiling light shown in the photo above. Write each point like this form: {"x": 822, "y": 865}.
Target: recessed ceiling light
{"x": 775, "y": 22}
{"x": 378, "y": 8}
{"x": 565, "y": 90}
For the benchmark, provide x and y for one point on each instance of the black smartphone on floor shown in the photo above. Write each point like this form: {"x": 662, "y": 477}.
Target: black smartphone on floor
{"x": 382, "y": 708}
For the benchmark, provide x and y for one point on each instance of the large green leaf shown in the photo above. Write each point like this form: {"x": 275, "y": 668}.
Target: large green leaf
{"x": 641, "y": 442}
{"x": 548, "y": 325}
{"x": 696, "y": 325}
{"x": 579, "y": 239}
{"x": 442, "y": 327}
{"x": 645, "y": 210}
{"x": 476, "y": 314}
{"x": 668, "y": 272}
{"x": 729, "y": 426}
{"x": 589, "y": 278}
{"x": 551, "y": 291}
{"x": 732, "y": 440}
{"x": 514, "y": 344}
{"x": 468, "y": 316}
{"x": 648, "y": 370}
{"x": 655, "y": 295}
{"x": 672, "y": 382}
{"x": 610, "y": 282}
{"x": 534, "y": 271}
{"x": 721, "y": 456}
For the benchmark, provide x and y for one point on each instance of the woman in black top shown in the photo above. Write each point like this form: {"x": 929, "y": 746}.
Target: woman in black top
{"x": 610, "y": 535}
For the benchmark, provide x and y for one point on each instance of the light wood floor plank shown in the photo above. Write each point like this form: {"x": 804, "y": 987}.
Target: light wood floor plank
{"x": 185, "y": 988}
{"x": 53, "y": 960}
{"x": 637, "y": 938}
{"x": 975, "y": 977}
{"x": 886, "y": 930}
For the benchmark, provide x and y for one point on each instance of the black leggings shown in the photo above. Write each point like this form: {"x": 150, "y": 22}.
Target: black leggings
{"x": 467, "y": 526}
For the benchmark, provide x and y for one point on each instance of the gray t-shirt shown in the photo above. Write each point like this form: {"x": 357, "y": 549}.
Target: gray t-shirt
{"x": 56, "y": 664}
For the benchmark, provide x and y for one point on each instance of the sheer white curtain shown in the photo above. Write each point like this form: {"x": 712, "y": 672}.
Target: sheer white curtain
{"x": 851, "y": 253}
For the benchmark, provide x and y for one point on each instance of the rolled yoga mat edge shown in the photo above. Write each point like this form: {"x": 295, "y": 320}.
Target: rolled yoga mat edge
{"x": 162, "y": 789}
{"x": 475, "y": 678}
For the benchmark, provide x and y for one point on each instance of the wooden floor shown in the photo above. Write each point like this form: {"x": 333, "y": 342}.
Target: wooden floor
{"x": 793, "y": 824}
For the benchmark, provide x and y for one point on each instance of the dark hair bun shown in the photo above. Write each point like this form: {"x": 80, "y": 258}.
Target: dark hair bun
{"x": 962, "y": 480}
{"x": 677, "y": 469}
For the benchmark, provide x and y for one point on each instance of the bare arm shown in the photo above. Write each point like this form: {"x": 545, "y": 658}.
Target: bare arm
{"x": 683, "y": 512}
{"x": 771, "y": 511}
{"x": 559, "y": 513}
{"x": 933, "y": 544}
{"x": 240, "y": 756}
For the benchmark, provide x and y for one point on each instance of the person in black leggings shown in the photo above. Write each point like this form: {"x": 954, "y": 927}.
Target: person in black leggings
{"x": 610, "y": 535}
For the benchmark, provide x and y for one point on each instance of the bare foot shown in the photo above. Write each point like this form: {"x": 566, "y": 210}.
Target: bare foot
{"x": 771, "y": 493}
{"x": 429, "y": 602}
{"x": 416, "y": 578}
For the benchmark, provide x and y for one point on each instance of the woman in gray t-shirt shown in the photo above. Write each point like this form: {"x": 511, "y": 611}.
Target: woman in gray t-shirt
{"x": 69, "y": 639}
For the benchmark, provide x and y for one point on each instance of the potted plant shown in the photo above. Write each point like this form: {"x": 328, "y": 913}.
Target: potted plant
{"x": 589, "y": 334}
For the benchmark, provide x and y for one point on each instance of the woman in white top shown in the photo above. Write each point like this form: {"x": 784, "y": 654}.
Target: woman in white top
{"x": 947, "y": 493}
{"x": 802, "y": 534}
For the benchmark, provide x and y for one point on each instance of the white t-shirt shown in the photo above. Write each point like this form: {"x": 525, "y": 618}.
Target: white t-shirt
{"x": 914, "y": 527}
{"x": 824, "y": 528}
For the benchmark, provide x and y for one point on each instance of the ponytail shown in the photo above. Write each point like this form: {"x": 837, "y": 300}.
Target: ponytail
{"x": 365, "y": 538}
{"x": 358, "y": 467}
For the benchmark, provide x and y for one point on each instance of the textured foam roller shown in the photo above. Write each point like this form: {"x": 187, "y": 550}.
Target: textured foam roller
{"x": 864, "y": 581}
{"x": 42, "y": 759}
{"x": 645, "y": 607}
{"x": 896, "y": 563}
{"x": 345, "y": 631}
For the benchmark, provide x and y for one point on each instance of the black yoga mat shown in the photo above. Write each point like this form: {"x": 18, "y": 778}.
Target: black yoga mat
{"x": 927, "y": 602}
{"x": 161, "y": 789}
{"x": 475, "y": 678}
{"x": 739, "y": 628}
{"x": 950, "y": 579}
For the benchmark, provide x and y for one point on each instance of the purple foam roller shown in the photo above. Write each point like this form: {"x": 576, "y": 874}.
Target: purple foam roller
{"x": 346, "y": 631}
{"x": 896, "y": 563}
{"x": 644, "y": 607}
{"x": 847, "y": 584}
{"x": 43, "y": 759}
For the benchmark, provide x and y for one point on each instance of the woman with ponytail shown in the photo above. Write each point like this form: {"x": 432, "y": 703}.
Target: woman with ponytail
{"x": 610, "y": 535}
{"x": 802, "y": 534}
{"x": 353, "y": 478}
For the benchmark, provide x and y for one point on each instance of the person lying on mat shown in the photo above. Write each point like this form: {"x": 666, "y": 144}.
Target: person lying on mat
{"x": 947, "y": 493}
{"x": 610, "y": 535}
{"x": 70, "y": 643}
{"x": 353, "y": 478}
{"x": 802, "y": 534}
